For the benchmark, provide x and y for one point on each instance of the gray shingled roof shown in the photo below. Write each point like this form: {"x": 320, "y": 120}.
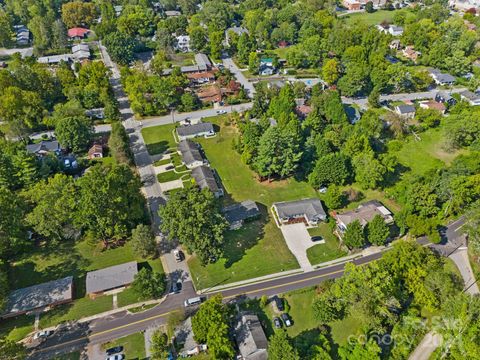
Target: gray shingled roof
{"x": 250, "y": 338}
{"x": 190, "y": 152}
{"x": 47, "y": 146}
{"x": 195, "y": 129}
{"x": 406, "y": 109}
{"x": 247, "y": 209}
{"x": 111, "y": 277}
{"x": 37, "y": 296}
{"x": 470, "y": 95}
{"x": 205, "y": 178}
{"x": 312, "y": 209}
{"x": 365, "y": 213}
{"x": 202, "y": 60}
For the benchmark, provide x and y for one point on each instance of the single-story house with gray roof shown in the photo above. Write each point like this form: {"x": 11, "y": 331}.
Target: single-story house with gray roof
{"x": 44, "y": 147}
{"x": 250, "y": 338}
{"x": 190, "y": 153}
{"x": 406, "y": 111}
{"x": 110, "y": 278}
{"x": 308, "y": 211}
{"x": 364, "y": 213}
{"x": 49, "y": 294}
{"x": 237, "y": 214}
{"x": 195, "y": 130}
{"x": 205, "y": 179}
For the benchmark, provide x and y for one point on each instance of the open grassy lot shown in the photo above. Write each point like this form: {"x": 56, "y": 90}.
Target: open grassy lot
{"x": 324, "y": 252}
{"x": 159, "y": 138}
{"x": 426, "y": 154}
{"x": 133, "y": 346}
{"x": 370, "y": 18}
{"x": 54, "y": 262}
{"x": 182, "y": 59}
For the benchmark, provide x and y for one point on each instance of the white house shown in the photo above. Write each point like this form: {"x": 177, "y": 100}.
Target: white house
{"x": 441, "y": 78}
{"x": 395, "y": 30}
{"x": 472, "y": 98}
{"x": 183, "y": 43}
{"x": 195, "y": 130}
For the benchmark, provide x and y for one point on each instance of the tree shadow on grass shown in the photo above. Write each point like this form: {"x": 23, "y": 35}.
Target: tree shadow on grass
{"x": 26, "y": 272}
{"x": 305, "y": 342}
{"x": 237, "y": 242}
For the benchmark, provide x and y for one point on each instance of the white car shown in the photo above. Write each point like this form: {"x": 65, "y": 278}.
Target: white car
{"x": 116, "y": 357}
{"x": 221, "y": 112}
{"x": 42, "y": 334}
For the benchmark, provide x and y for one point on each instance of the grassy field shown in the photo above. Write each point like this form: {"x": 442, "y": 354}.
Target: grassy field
{"x": 54, "y": 262}
{"x": 133, "y": 346}
{"x": 324, "y": 252}
{"x": 426, "y": 154}
{"x": 159, "y": 138}
{"x": 182, "y": 59}
{"x": 370, "y": 19}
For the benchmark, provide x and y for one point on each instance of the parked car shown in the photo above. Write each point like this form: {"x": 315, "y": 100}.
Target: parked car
{"x": 116, "y": 357}
{"x": 169, "y": 167}
{"x": 322, "y": 190}
{"x": 316, "y": 238}
{"x": 277, "y": 323}
{"x": 178, "y": 255}
{"x": 221, "y": 112}
{"x": 42, "y": 334}
{"x": 114, "y": 350}
{"x": 176, "y": 287}
{"x": 194, "y": 301}
{"x": 278, "y": 303}
{"x": 286, "y": 320}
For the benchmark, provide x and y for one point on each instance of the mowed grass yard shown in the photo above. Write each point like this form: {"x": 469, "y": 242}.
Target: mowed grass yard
{"x": 133, "y": 346}
{"x": 374, "y": 18}
{"x": 328, "y": 251}
{"x": 51, "y": 262}
{"x": 159, "y": 138}
{"x": 258, "y": 248}
{"x": 428, "y": 153}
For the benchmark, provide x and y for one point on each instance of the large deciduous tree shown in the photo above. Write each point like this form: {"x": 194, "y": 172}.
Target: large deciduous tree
{"x": 143, "y": 241}
{"x": 121, "y": 47}
{"x": 354, "y": 236}
{"x": 78, "y": 13}
{"x": 329, "y": 169}
{"x": 12, "y": 231}
{"x": 148, "y": 284}
{"x": 210, "y": 325}
{"x": 280, "y": 347}
{"x": 110, "y": 204}
{"x": 193, "y": 217}
{"x": 74, "y": 133}
{"x": 377, "y": 231}
{"x": 53, "y": 204}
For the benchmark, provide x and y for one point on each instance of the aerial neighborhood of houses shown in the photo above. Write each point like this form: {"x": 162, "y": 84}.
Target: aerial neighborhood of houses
{"x": 239, "y": 180}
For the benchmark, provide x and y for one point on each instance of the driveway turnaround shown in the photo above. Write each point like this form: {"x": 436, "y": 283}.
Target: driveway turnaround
{"x": 298, "y": 241}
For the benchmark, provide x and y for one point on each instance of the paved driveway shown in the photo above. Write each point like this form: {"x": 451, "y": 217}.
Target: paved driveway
{"x": 298, "y": 241}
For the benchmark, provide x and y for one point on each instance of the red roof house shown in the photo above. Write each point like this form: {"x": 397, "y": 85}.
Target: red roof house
{"x": 77, "y": 33}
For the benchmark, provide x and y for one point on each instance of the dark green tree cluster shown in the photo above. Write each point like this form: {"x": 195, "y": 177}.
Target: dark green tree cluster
{"x": 194, "y": 219}
{"x": 387, "y": 295}
{"x": 148, "y": 284}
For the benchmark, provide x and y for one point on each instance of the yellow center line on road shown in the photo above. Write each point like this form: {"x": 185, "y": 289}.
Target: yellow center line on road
{"x": 285, "y": 284}
{"x": 167, "y": 313}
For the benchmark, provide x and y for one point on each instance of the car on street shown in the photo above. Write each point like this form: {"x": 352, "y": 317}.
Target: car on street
{"x": 286, "y": 320}
{"x": 176, "y": 287}
{"x": 114, "y": 350}
{"x": 277, "y": 323}
{"x": 178, "y": 254}
{"x": 316, "y": 238}
{"x": 42, "y": 334}
{"x": 221, "y": 112}
{"x": 116, "y": 357}
{"x": 194, "y": 301}
{"x": 278, "y": 303}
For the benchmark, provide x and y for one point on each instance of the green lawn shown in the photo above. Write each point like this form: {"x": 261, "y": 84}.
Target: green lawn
{"x": 134, "y": 346}
{"x": 374, "y": 18}
{"x": 324, "y": 252}
{"x": 54, "y": 262}
{"x": 159, "y": 138}
{"x": 16, "y": 328}
{"x": 426, "y": 154}
{"x": 182, "y": 59}
{"x": 170, "y": 176}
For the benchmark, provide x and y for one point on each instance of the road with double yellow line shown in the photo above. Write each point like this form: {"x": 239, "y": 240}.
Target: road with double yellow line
{"x": 77, "y": 336}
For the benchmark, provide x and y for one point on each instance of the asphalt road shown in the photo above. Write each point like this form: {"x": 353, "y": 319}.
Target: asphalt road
{"x": 124, "y": 323}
